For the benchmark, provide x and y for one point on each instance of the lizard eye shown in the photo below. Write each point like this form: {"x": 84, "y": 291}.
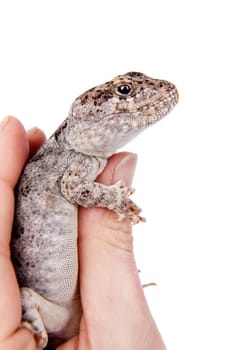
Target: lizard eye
{"x": 124, "y": 89}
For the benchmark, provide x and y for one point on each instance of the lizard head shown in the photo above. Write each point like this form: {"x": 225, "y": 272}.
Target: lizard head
{"x": 108, "y": 116}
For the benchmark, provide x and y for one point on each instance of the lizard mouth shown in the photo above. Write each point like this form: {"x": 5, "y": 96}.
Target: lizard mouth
{"x": 151, "y": 110}
{"x": 144, "y": 113}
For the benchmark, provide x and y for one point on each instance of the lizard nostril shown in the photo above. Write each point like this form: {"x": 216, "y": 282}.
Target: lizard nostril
{"x": 161, "y": 84}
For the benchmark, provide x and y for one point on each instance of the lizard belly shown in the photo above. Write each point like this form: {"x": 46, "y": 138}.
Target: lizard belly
{"x": 44, "y": 246}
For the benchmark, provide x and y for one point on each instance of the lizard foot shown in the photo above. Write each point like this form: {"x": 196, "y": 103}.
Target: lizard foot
{"x": 131, "y": 211}
{"x": 123, "y": 188}
{"x": 127, "y": 209}
{"x": 48, "y": 321}
{"x": 31, "y": 318}
{"x": 41, "y": 337}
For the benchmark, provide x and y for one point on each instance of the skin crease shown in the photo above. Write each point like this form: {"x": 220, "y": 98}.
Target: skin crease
{"x": 115, "y": 312}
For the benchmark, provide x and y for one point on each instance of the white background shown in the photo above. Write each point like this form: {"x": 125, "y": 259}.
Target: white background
{"x": 51, "y": 51}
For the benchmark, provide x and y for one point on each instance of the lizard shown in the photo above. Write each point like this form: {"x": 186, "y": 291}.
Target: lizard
{"x": 59, "y": 178}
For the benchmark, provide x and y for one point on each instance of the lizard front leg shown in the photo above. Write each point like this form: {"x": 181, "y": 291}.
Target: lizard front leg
{"x": 92, "y": 194}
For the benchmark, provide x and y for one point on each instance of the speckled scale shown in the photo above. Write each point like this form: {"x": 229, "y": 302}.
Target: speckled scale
{"x": 62, "y": 176}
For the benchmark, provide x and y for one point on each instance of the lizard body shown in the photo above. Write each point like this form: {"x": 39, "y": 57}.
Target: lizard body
{"x": 62, "y": 176}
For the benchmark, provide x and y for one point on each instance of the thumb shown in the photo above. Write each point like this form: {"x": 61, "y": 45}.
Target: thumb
{"x": 113, "y": 301}
{"x": 102, "y": 224}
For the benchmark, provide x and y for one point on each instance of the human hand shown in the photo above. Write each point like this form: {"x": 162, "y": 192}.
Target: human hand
{"x": 115, "y": 312}
{"x": 15, "y": 147}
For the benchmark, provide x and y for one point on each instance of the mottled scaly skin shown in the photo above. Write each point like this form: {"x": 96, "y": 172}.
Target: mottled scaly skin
{"x": 62, "y": 176}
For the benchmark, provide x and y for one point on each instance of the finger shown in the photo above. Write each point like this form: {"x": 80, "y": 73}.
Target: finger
{"x": 36, "y": 138}
{"x": 14, "y": 150}
{"x": 121, "y": 166}
{"x": 111, "y": 292}
{"x": 20, "y": 340}
{"x": 13, "y": 154}
{"x": 71, "y": 344}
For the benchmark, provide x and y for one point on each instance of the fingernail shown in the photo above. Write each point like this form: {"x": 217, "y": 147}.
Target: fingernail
{"x": 4, "y": 122}
{"x": 33, "y": 130}
{"x": 125, "y": 169}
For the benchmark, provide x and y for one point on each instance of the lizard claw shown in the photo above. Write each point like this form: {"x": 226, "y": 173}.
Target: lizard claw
{"x": 135, "y": 220}
{"x": 131, "y": 191}
{"x": 122, "y": 185}
{"x": 132, "y": 213}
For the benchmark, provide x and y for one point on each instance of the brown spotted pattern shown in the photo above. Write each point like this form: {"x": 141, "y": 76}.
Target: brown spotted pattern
{"x": 59, "y": 178}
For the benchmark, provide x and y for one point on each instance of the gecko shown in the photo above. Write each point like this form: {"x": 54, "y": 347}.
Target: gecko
{"x": 59, "y": 178}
